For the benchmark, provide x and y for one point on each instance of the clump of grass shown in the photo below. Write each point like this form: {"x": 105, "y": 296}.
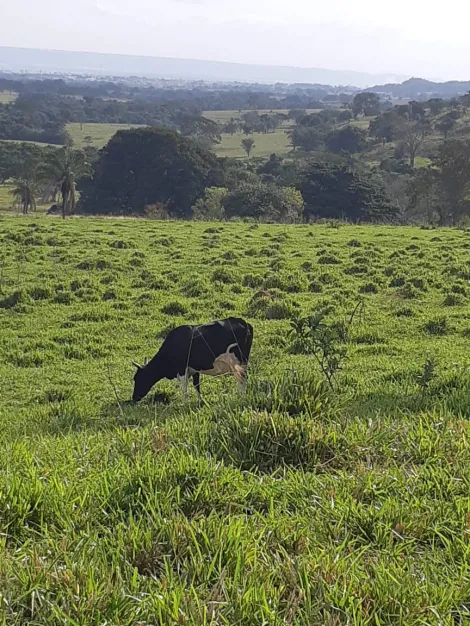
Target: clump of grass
{"x": 354, "y": 243}
{"x": 19, "y": 300}
{"x": 328, "y": 259}
{"x": 39, "y": 292}
{"x": 119, "y": 244}
{"x": 398, "y": 281}
{"x": 453, "y": 299}
{"x": 368, "y": 339}
{"x": 222, "y": 275}
{"x": 405, "y": 311}
{"x": 315, "y": 287}
{"x": 437, "y": 327}
{"x": 278, "y": 311}
{"x": 252, "y": 280}
{"x": 369, "y": 288}
{"x": 176, "y": 307}
{"x": 195, "y": 287}
{"x": 408, "y": 292}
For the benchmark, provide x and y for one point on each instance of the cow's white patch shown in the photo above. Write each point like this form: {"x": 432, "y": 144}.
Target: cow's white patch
{"x": 226, "y": 363}
{"x": 183, "y": 381}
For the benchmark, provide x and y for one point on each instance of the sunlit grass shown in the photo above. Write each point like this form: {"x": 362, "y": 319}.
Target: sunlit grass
{"x": 275, "y": 508}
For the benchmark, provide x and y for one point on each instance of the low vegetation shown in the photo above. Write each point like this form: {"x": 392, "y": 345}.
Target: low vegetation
{"x": 335, "y": 492}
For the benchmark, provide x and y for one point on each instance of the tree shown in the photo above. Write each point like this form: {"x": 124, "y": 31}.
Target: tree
{"x": 384, "y": 127}
{"x": 422, "y": 190}
{"x": 211, "y": 207}
{"x": 411, "y": 135}
{"x": 453, "y": 163}
{"x": 335, "y": 191}
{"x": 446, "y": 124}
{"x": 24, "y": 192}
{"x": 306, "y": 138}
{"x": 61, "y": 169}
{"x": 147, "y": 166}
{"x": 248, "y": 144}
{"x": 272, "y": 167}
{"x": 231, "y": 127}
{"x": 206, "y": 132}
{"x": 268, "y": 203}
{"x": 348, "y": 139}
{"x": 295, "y": 114}
{"x": 365, "y": 103}
{"x": 435, "y": 105}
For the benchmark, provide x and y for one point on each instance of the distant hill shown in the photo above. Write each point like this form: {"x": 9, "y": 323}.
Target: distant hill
{"x": 25, "y": 59}
{"x": 421, "y": 89}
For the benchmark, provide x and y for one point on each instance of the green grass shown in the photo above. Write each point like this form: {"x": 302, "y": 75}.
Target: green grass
{"x": 222, "y": 117}
{"x": 99, "y": 134}
{"x": 6, "y": 199}
{"x": 6, "y": 97}
{"x": 231, "y": 146}
{"x": 291, "y": 505}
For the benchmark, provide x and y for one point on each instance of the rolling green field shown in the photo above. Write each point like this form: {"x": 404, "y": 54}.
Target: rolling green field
{"x": 6, "y": 97}
{"x": 231, "y": 146}
{"x": 99, "y": 134}
{"x": 291, "y": 505}
{"x": 222, "y": 117}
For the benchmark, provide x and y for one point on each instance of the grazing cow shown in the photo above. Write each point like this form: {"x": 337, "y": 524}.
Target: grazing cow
{"x": 214, "y": 349}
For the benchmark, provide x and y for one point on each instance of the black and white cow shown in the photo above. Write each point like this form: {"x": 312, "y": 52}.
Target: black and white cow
{"x": 215, "y": 349}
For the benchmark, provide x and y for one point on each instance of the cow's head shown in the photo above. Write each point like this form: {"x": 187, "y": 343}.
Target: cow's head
{"x": 144, "y": 380}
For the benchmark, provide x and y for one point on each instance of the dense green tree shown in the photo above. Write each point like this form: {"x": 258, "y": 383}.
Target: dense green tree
{"x": 269, "y": 203}
{"x": 453, "y": 163}
{"x": 272, "y": 167}
{"x": 335, "y": 191}
{"x": 435, "y": 105}
{"x": 423, "y": 193}
{"x": 384, "y": 127}
{"x": 365, "y": 103}
{"x": 305, "y": 138}
{"x": 211, "y": 206}
{"x": 147, "y": 166}
{"x": 446, "y": 124}
{"x": 347, "y": 139}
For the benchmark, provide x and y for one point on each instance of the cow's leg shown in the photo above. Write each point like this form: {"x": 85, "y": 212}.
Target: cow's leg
{"x": 183, "y": 381}
{"x": 197, "y": 386}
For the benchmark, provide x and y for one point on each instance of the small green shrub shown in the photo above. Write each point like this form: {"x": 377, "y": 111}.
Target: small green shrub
{"x": 174, "y": 308}
{"x": 369, "y": 288}
{"x": 222, "y": 275}
{"x": 437, "y": 327}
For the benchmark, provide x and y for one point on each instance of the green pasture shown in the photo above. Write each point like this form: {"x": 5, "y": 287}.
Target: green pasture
{"x": 96, "y": 135}
{"x": 6, "y": 97}
{"x": 293, "y": 504}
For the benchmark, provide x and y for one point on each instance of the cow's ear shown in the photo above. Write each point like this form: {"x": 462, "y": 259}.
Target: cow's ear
{"x": 139, "y": 367}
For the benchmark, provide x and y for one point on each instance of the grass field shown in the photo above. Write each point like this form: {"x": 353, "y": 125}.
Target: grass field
{"x": 6, "y": 97}
{"x": 99, "y": 134}
{"x": 291, "y": 505}
{"x": 231, "y": 146}
{"x": 222, "y": 117}
{"x": 6, "y": 199}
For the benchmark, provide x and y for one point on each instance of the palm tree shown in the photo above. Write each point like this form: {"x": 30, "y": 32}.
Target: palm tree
{"x": 61, "y": 168}
{"x": 24, "y": 192}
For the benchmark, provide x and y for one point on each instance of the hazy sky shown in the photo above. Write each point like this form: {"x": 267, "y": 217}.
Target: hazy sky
{"x": 414, "y": 37}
